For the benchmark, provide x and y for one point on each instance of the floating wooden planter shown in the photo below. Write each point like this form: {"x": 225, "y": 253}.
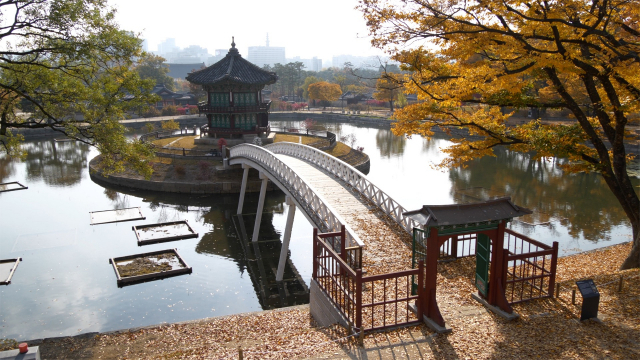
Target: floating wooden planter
{"x": 7, "y": 268}
{"x": 119, "y": 215}
{"x": 12, "y": 186}
{"x": 133, "y": 269}
{"x": 162, "y": 232}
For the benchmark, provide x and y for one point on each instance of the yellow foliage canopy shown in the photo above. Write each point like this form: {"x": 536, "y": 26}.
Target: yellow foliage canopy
{"x": 324, "y": 91}
{"x": 480, "y": 58}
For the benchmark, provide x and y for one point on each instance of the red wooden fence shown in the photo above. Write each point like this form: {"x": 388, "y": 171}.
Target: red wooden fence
{"x": 368, "y": 303}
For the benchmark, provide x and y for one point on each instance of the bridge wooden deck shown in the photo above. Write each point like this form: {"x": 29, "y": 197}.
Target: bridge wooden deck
{"x": 387, "y": 245}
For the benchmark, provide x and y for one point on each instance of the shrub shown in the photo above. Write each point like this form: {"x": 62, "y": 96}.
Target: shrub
{"x": 193, "y": 109}
{"x": 151, "y": 111}
{"x": 308, "y": 124}
{"x": 169, "y": 110}
{"x": 376, "y": 103}
{"x": 357, "y": 107}
{"x": 180, "y": 170}
{"x": 150, "y": 127}
{"x": 204, "y": 170}
{"x": 170, "y": 125}
{"x": 204, "y": 166}
{"x": 298, "y": 106}
{"x": 221, "y": 142}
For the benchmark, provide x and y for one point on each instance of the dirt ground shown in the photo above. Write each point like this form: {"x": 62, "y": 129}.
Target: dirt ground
{"x": 548, "y": 328}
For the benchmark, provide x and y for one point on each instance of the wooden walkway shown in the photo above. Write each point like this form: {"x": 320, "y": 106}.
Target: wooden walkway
{"x": 387, "y": 245}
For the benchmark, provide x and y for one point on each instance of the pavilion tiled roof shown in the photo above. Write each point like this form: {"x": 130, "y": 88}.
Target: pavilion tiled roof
{"x": 459, "y": 214}
{"x": 232, "y": 69}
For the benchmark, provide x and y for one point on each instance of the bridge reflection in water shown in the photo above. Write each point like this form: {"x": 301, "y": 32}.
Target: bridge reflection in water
{"x": 262, "y": 259}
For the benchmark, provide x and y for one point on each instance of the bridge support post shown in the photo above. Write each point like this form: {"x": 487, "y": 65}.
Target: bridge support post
{"x": 286, "y": 239}
{"x": 243, "y": 188}
{"x": 263, "y": 192}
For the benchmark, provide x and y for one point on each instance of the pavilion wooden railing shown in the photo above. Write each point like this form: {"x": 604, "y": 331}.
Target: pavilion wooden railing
{"x": 368, "y": 303}
{"x": 205, "y": 108}
{"x": 531, "y": 268}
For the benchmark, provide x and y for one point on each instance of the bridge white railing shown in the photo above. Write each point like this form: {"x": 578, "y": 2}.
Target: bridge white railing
{"x": 351, "y": 176}
{"x": 325, "y": 217}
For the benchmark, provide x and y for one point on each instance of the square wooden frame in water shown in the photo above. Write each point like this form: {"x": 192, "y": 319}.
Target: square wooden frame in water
{"x": 133, "y": 269}
{"x": 12, "y": 186}
{"x": 118, "y": 215}
{"x": 162, "y": 232}
{"x": 9, "y": 265}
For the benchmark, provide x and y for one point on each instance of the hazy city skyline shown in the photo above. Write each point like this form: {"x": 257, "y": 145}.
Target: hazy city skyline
{"x": 332, "y": 29}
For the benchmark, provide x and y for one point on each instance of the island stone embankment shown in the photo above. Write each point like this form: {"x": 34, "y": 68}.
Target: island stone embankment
{"x": 227, "y": 182}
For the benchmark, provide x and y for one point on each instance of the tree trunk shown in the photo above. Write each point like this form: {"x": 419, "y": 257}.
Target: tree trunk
{"x": 633, "y": 260}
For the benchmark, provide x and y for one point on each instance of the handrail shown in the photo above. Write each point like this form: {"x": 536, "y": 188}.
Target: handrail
{"x": 351, "y": 176}
{"x": 328, "y": 219}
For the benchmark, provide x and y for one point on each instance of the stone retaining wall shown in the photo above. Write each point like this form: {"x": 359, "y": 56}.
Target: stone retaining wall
{"x": 222, "y": 187}
{"x": 322, "y": 309}
{"x": 365, "y": 165}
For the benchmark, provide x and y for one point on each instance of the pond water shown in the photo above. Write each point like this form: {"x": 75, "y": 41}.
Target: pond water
{"x": 66, "y": 286}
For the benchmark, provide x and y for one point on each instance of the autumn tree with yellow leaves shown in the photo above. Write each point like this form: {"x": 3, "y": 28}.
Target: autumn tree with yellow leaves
{"x": 324, "y": 91}
{"x": 574, "y": 54}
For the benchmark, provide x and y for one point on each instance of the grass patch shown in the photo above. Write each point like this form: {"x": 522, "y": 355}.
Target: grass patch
{"x": 181, "y": 142}
{"x": 339, "y": 150}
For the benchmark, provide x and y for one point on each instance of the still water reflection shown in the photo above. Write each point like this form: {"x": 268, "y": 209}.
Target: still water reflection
{"x": 66, "y": 286}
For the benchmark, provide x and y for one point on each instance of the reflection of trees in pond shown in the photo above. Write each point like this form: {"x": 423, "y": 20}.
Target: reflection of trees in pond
{"x": 583, "y": 199}
{"x": 430, "y": 145}
{"x": 7, "y": 168}
{"x": 119, "y": 201}
{"x": 389, "y": 144}
{"x": 57, "y": 163}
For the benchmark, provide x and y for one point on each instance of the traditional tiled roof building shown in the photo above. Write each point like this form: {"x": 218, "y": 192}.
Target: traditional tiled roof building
{"x": 234, "y": 105}
{"x": 171, "y": 98}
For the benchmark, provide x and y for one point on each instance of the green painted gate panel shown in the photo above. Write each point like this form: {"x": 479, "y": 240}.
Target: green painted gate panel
{"x": 483, "y": 253}
{"x": 419, "y": 252}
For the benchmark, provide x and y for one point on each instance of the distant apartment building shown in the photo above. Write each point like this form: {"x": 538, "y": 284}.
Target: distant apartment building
{"x": 266, "y": 55}
{"x": 219, "y": 54}
{"x": 167, "y": 46}
{"x": 356, "y": 61}
{"x": 314, "y": 64}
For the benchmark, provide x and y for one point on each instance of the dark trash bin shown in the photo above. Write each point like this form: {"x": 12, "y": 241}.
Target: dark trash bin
{"x": 590, "y": 299}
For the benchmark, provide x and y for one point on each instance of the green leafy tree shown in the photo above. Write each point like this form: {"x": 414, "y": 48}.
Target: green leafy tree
{"x": 305, "y": 86}
{"x": 153, "y": 67}
{"x": 73, "y": 66}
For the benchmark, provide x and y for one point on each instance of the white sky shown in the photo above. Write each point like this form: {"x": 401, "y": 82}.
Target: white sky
{"x": 320, "y": 28}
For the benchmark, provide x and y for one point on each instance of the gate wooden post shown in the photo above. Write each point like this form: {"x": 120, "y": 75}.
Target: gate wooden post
{"x": 359, "y": 301}
{"x": 421, "y": 292}
{"x": 554, "y": 265}
{"x": 343, "y": 246}
{"x": 498, "y": 272}
{"x": 431, "y": 269}
{"x": 314, "y": 243}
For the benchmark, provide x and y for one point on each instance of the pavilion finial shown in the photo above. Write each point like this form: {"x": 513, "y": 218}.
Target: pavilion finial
{"x": 233, "y": 42}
